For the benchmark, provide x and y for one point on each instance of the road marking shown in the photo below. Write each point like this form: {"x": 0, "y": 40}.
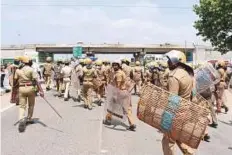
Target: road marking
{"x": 104, "y": 151}
{"x": 8, "y": 107}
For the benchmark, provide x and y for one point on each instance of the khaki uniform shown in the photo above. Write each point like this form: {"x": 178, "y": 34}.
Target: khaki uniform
{"x": 107, "y": 69}
{"x": 220, "y": 88}
{"x": 101, "y": 76}
{"x": 58, "y": 77}
{"x": 66, "y": 73}
{"x": 47, "y": 74}
{"x": 137, "y": 77}
{"x": 180, "y": 83}
{"x": 163, "y": 77}
{"x": 127, "y": 70}
{"x": 149, "y": 77}
{"x": 118, "y": 81}
{"x": 88, "y": 76}
{"x": 25, "y": 77}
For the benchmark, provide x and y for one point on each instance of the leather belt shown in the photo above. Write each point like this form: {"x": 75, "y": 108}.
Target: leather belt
{"x": 25, "y": 85}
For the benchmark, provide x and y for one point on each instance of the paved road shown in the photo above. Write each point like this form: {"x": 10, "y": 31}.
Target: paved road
{"x": 81, "y": 132}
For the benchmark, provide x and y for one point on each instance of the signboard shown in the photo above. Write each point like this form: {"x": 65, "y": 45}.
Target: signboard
{"x": 44, "y": 55}
{"x": 77, "y": 51}
{"x": 189, "y": 56}
{"x": 6, "y": 61}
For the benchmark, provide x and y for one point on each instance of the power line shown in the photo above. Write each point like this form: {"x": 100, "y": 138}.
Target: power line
{"x": 92, "y": 5}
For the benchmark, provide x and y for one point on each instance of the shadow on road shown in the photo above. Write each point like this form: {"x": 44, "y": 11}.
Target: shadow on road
{"x": 80, "y": 105}
{"x": 37, "y": 121}
{"x": 116, "y": 123}
{"x": 230, "y": 123}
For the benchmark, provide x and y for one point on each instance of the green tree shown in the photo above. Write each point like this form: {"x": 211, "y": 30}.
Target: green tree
{"x": 215, "y": 23}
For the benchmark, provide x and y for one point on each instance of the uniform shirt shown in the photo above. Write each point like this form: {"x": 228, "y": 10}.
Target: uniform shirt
{"x": 89, "y": 74}
{"x": 222, "y": 74}
{"x": 25, "y": 75}
{"x": 57, "y": 70}
{"x": 101, "y": 74}
{"x": 137, "y": 73}
{"x": 180, "y": 83}
{"x": 127, "y": 70}
{"x": 66, "y": 71}
{"x": 119, "y": 79}
{"x": 48, "y": 69}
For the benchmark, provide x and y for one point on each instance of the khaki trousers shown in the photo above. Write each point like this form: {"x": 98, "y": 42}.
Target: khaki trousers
{"x": 26, "y": 94}
{"x": 59, "y": 84}
{"x": 48, "y": 81}
{"x": 169, "y": 147}
{"x": 220, "y": 89}
{"x": 138, "y": 86}
{"x": 87, "y": 93}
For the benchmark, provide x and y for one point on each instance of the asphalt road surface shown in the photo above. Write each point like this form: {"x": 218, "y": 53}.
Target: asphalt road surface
{"x": 81, "y": 132}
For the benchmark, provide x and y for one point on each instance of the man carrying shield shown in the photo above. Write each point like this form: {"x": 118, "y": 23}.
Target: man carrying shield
{"x": 118, "y": 81}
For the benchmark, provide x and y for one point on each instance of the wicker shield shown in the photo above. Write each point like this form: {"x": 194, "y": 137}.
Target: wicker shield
{"x": 117, "y": 102}
{"x": 182, "y": 120}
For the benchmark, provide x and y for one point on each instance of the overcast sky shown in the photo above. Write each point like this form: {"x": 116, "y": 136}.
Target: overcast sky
{"x": 98, "y": 24}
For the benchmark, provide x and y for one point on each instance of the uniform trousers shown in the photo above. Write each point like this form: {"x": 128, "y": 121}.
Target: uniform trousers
{"x": 26, "y": 94}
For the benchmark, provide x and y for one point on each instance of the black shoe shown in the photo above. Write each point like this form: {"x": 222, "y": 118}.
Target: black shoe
{"x": 30, "y": 121}
{"x": 22, "y": 126}
{"x": 106, "y": 122}
{"x": 213, "y": 125}
{"x": 226, "y": 109}
{"x": 132, "y": 127}
{"x": 206, "y": 138}
{"x": 74, "y": 99}
{"x": 99, "y": 103}
{"x": 47, "y": 88}
{"x": 79, "y": 99}
{"x": 65, "y": 99}
{"x": 85, "y": 106}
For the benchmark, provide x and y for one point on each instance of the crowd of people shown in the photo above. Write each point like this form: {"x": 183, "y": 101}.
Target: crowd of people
{"x": 85, "y": 80}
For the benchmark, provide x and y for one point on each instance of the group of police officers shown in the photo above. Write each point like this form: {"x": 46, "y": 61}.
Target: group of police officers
{"x": 86, "y": 78}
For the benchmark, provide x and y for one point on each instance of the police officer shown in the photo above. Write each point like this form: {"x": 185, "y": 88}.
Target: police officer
{"x": 220, "y": 87}
{"x": 66, "y": 74}
{"x": 58, "y": 77}
{"x": 126, "y": 68}
{"x": 118, "y": 81}
{"x": 27, "y": 80}
{"x": 47, "y": 72}
{"x": 89, "y": 74}
{"x": 163, "y": 76}
{"x": 151, "y": 76}
{"x": 100, "y": 71}
{"x": 107, "y": 71}
{"x": 137, "y": 77}
{"x": 180, "y": 83}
